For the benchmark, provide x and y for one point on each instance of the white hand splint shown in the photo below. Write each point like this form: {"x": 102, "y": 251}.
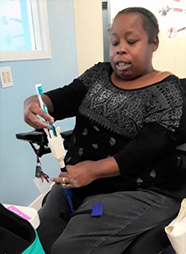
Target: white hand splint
{"x": 176, "y": 230}
{"x": 58, "y": 151}
{"x": 56, "y": 145}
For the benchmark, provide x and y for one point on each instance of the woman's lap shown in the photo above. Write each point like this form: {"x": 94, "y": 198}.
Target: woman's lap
{"x": 125, "y": 216}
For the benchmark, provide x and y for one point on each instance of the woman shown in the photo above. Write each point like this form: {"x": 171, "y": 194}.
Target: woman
{"x": 121, "y": 163}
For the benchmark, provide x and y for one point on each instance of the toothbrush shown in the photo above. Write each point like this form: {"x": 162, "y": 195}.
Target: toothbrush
{"x": 39, "y": 92}
{"x": 55, "y": 144}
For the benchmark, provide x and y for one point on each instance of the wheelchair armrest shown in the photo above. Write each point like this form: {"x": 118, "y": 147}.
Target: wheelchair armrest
{"x": 36, "y": 136}
{"x": 39, "y": 137}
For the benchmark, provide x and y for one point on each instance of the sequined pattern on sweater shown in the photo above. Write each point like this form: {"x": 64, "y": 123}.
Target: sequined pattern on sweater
{"x": 125, "y": 111}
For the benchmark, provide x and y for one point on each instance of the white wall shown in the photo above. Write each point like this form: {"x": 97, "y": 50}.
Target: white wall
{"x": 171, "y": 55}
{"x": 89, "y": 33}
{"x": 17, "y": 159}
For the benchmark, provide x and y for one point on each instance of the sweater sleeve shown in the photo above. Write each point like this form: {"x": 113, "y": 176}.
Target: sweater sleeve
{"x": 152, "y": 143}
{"x": 66, "y": 100}
{"x": 158, "y": 138}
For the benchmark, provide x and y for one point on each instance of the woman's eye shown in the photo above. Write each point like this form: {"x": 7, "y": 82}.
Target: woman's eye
{"x": 114, "y": 43}
{"x": 131, "y": 42}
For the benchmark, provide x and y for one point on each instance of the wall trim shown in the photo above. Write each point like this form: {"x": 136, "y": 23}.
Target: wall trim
{"x": 36, "y": 204}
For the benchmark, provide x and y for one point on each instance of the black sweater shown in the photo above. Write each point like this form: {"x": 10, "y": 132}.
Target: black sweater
{"x": 140, "y": 128}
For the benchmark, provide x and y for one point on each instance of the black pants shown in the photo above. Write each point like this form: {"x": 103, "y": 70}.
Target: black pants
{"x": 125, "y": 216}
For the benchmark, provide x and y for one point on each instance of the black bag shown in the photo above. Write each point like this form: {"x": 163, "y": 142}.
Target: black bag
{"x": 17, "y": 236}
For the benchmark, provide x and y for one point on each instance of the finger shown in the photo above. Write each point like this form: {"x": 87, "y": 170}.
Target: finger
{"x": 37, "y": 123}
{"x": 31, "y": 117}
{"x": 31, "y": 123}
{"x": 71, "y": 184}
{"x": 67, "y": 186}
{"x": 38, "y": 111}
{"x": 44, "y": 115}
{"x": 63, "y": 174}
{"x": 63, "y": 180}
{"x": 56, "y": 179}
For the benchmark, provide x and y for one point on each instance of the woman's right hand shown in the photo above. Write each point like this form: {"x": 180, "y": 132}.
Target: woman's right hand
{"x": 32, "y": 110}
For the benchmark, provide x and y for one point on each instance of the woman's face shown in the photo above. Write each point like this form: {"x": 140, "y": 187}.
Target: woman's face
{"x": 130, "y": 50}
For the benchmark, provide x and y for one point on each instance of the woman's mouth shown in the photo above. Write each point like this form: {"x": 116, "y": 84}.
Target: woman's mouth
{"x": 122, "y": 66}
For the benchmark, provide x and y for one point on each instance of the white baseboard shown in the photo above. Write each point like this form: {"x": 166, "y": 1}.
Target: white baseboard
{"x": 36, "y": 204}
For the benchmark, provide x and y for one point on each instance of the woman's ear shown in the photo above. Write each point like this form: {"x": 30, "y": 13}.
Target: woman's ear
{"x": 155, "y": 43}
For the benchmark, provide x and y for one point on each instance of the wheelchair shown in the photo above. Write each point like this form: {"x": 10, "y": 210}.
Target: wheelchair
{"x": 154, "y": 241}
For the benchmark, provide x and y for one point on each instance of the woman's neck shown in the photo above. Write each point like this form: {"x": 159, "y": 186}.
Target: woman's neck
{"x": 147, "y": 79}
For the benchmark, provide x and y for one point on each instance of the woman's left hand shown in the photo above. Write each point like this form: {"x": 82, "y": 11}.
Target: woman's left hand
{"x": 86, "y": 172}
{"x": 78, "y": 175}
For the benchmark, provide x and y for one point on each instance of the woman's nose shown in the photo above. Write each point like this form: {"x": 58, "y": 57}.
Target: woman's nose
{"x": 121, "y": 49}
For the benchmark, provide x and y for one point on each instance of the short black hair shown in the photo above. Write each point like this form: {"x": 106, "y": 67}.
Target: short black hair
{"x": 150, "y": 22}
